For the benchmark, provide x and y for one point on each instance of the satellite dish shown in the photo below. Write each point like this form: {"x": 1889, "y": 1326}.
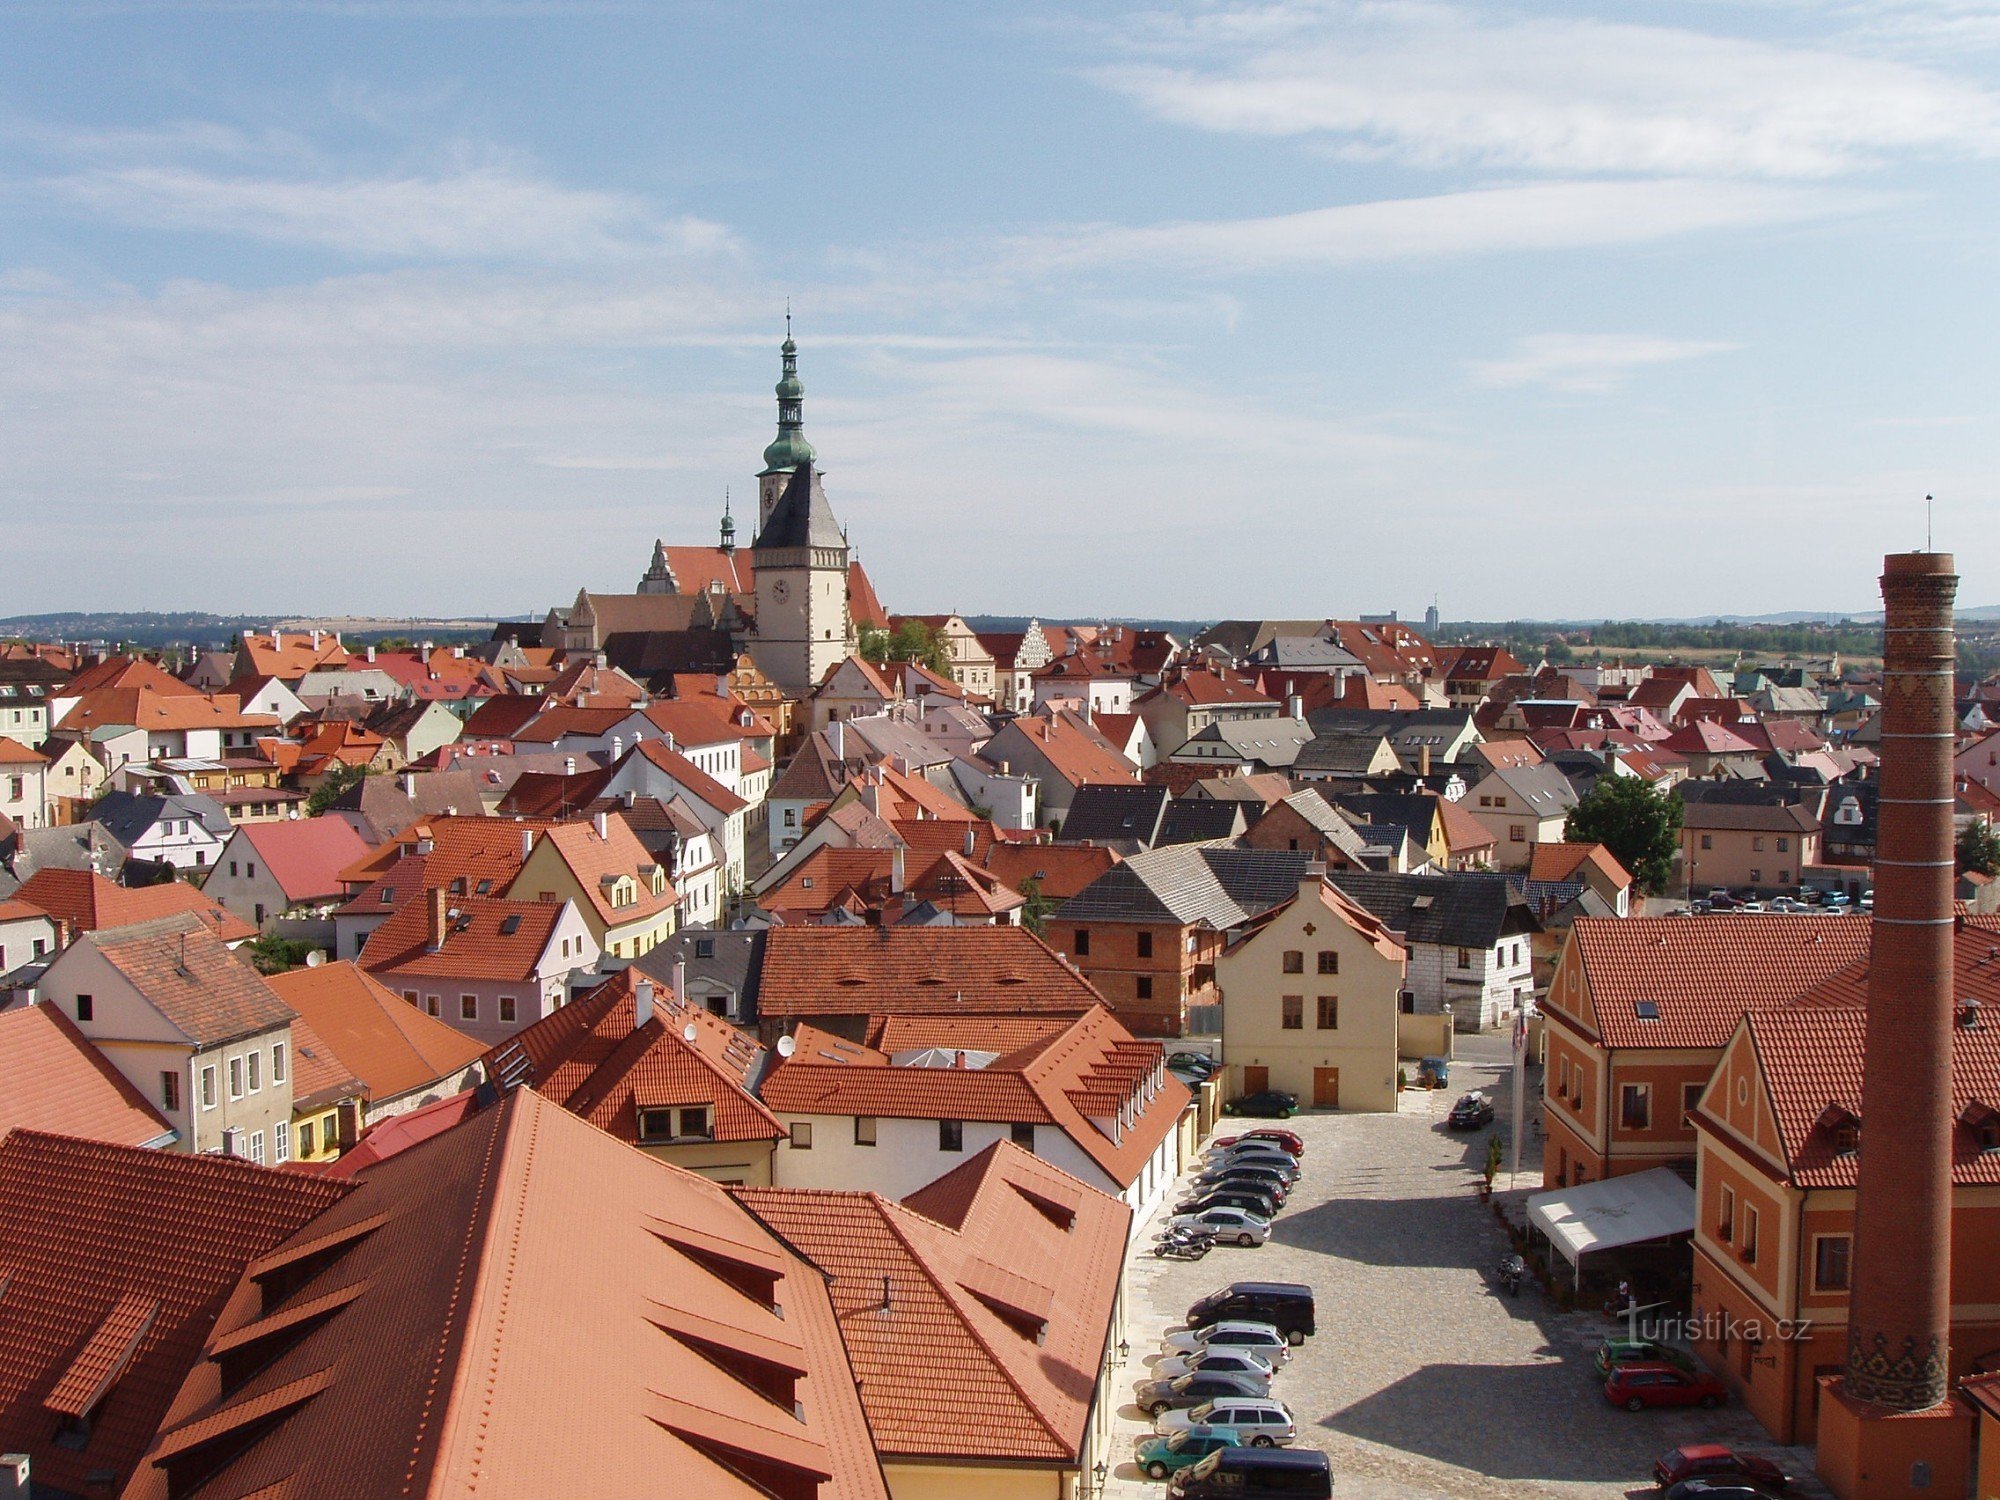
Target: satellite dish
{"x": 314, "y": 959}
{"x": 786, "y": 1046}
{"x": 690, "y": 1031}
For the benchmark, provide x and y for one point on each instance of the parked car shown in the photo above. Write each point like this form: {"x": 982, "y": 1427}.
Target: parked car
{"x": 1787, "y": 904}
{"x": 1226, "y": 1224}
{"x": 1254, "y": 1156}
{"x": 1156, "y": 1396}
{"x": 1470, "y": 1112}
{"x": 1259, "y": 1420}
{"x": 1714, "y": 1461}
{"x": 1271, "y": 1104}
{"x": 1615, "y": 1352}
{"x": 1198, "y": 1061}
{"x": 1722, "y": 901}
{"x": 1256, "y": 1474}
{"x": 1280, "y": 1172}
{"x": 1293, "y": 1143}
{"x": 1260, "y": 1338}
{"x": 1716, "y": 1489}
{"x": 1258, "y": 1202}
{"x": 1242, "y": 1361}
{"x": 1657, "y": 1383}
{"x": 1749, "y": 907}
{"x": 1286, "y": 1305}
{"x": 1271, "y": 1187}
{"x": 1161, "y": 1456}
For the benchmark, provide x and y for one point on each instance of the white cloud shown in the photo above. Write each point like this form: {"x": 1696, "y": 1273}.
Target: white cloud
{"x": 1587, "y": 363}
{"x": 1537, "y": 216}
{"x": 482, "y": 213}
{"x": 1436, "y": 85}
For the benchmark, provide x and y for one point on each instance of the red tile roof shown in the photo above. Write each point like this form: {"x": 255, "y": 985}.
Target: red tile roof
{"x": 590, "y": 1058}
{"x": 596, "y": 861}
{"x": 1077, "y": 752}
{"x": 306, "y": 855}
{"x": 1702, "y": 973}
{"x": 812, "y": 971}
{"x": 206, "y": 992}
{"x": 1058, "y": 870}
{"x": 382, "y": 1039}
{"x": 521, "y": 1305}
{"x": 1092, "y": 1070}
{"x": 99, "y": 1240}
{"x": 1000, "y": 1283}
{"x": 88, "y": 902}
{"x": 1563, "y": 861}
{"x": 14, "y": 753}
{"x": 484, "y": 938}
{"x": 55, "y": 1080}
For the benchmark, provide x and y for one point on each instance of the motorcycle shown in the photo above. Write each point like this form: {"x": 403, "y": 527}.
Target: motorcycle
{"x": 1511, "y": 1272}
{"x": 1183, "y": 1244}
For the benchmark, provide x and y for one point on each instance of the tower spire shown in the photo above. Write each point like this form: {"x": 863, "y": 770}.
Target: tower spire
{"x": 728, "y": 523}
{"x": 790, "y": 449}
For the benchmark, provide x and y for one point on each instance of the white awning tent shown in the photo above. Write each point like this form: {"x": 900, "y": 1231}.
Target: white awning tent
{"x": 1613, "y": 1211}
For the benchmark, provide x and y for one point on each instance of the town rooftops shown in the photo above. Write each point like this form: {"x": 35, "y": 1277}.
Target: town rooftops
{"x": 1699, "y": 974}
{"x": 14, "y": 753}
{"x": 600, "y": 861}
{"x": 1547, "y": 861}
{"x": 117, "y": 1262}
{"x": 1059, "y": 871}
{"x": 811, "y": 971}
{"x": 88, "y": 902}
{"x": 126, "y": 816}
{"x": 208, "y": 994}
{"x": 1468, "y": 909}
{"x": 995, "y": 1283}
{"x": 56, "y": 1080}
{"x": 1748, "y": 817}
{"x": 521, "y": 1305}
{"x": 473, "y": 937}
{"x": 387, "y": 1043}
{"x": 593, "y": 1059}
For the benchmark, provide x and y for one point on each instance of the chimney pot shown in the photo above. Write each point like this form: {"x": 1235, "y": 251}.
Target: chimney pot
{"x": 602, "y": 822}
{"x": 896, "y": 872}
{"x": 527, "y": 842}
{"x": 680, "y": 978}
{"x": 434, "y": 938}
{"x": 642, "y": 1003}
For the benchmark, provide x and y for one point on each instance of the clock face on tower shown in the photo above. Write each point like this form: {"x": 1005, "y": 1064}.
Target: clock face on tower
{"x": 781, "y": 590}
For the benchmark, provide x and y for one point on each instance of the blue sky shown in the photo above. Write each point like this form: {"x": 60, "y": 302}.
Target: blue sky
{"x": 1299, "y": 308}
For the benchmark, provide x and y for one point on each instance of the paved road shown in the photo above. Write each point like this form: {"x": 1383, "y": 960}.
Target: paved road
{"x": 1423, "y": 1381}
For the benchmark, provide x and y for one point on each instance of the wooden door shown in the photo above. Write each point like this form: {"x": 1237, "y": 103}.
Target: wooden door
{"x": 1326, "y": 1088}
{"x": 1256, "y": 1080}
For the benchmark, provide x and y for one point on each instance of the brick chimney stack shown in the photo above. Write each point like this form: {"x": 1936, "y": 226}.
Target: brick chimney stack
{"x": 1899, "y": 1324}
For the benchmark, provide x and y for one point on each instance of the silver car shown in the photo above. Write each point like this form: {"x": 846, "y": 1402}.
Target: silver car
{"x": 1261, "y": 1339}
{"x": 1235, "y": 1226}
{"x": 1233, "y": 1361}
{"x": 1258, "y": 1420}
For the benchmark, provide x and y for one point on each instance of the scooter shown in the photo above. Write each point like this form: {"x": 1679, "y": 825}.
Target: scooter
{"x": 1511, "y": 1271}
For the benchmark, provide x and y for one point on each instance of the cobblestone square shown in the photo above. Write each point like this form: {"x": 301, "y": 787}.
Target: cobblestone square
{"x": 1425, "y": 1380}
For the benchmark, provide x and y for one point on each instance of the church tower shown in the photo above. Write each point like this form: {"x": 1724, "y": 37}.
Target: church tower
{"x": 799, "y": 555}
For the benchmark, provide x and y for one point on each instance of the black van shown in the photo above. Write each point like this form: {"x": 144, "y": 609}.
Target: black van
{"x": 1286, "y": 1305}
{"x": 1255, "y": 1474}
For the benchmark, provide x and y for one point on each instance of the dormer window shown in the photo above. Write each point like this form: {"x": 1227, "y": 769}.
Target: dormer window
{"x": 1847, "y": 1139}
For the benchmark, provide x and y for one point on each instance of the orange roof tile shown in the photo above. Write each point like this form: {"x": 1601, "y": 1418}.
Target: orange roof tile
{"x": 210, "y": 995}
{"x": 1562, "y": 861}
{"x": 14, "y": 753}
{"x": 596, "y": 861}
{"x": 94, "y": 1236}
{"x": 1058, "y": 870}
{"x": 1702, "y": 973}
{"x": 812, "y": 971}
{"x": 383, "y": 1040}
{"x": 306, "y": 855}
{"x": 485, "y": 937}
{"x": 459, "y": 1339}
{"x": 89, "y": 902}
{"x": 56, "y": 1080}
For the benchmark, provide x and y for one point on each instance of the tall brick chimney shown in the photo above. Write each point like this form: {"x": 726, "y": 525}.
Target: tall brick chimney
{"x": 1900, "y": 1317}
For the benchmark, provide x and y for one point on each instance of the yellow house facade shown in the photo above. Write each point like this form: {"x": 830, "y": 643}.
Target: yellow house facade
{"x": 1310, "y": 998}
{"x": 623, "y": 893}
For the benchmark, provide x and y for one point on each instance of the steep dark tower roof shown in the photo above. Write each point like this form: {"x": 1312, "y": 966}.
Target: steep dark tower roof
{"x": 801, "y": 518}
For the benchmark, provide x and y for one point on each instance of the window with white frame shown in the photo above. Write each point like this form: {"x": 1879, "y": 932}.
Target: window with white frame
{"x": 236, "y": 1078}
{"x": 278, "y": 1063}
{"x": 281, "y": 1141}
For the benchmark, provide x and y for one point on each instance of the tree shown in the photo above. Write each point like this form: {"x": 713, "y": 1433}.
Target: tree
{"x": 271, "y": 954}
{"x": 336, "y": 781}
{"x": 1035, "y": 915}
{"x": 1639, "y": 825}
{"x": 1979, "y": 849}
{"x": 911, "y": 640}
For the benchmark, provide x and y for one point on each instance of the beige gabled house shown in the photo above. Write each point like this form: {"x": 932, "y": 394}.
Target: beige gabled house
{"x": 627, "y": 900}
{"x": 1310, "y": 997}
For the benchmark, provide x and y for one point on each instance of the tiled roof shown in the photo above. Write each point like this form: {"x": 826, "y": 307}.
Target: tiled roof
{"x": 1074, "y": 750}
{"x": 484, "y": 938}
{"x": 1058, "y": 870}
{"x": 1702, "y": 973}
{"x": 87, "y": 902}
{"x": 14, "y": 753}
{"x": 596, "y": 861}
{"x": 319, "y": 1078}
{"x": 997, "y": 1034}
{"x": 305, "y": 855}
{"x": 1466, "y": 909}
{"x": 1748, "y": 817}
{"x": 591, "y": 1059}
{"x": 694, "y": 781}
{"x": 1092, "y": 1069}
{"x": 382, "y": 1039}
{"x": 159, "y": 711}
{"x": 1811, "y": 1057}
{"x": 521, "y": 1305}
{"x": 93, "y": 1234}
{"x": 1004, "y": 1300}
{"x": 55, "y": 1080}
{"x": 1563, "y": 861}
{"x": 812, "y": 971}
{"x": 1706, "y": 737}
{"x": 1190, "y": 885}
{"x": 203, "y": 989}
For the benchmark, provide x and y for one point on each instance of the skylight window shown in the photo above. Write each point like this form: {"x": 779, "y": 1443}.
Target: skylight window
{"x": 1646, "y": 1010}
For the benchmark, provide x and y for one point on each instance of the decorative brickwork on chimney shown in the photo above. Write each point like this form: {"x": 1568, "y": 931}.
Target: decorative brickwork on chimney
{"x": 1900, "y": 1316}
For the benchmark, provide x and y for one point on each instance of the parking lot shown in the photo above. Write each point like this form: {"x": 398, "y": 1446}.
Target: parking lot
{"x": 1424, "y": 1379}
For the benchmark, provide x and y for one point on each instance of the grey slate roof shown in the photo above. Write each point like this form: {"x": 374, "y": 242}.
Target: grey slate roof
{"x": 1542, "y": 787}
{"x": 732, "y": 960}
{"x": 127, "y": 815}
{"x": 1327, "y": 819}
{"x": 1108, "y": 813}
{"x": 1198, "y": 820}
{"x": 1269, "y": 742}
{"x": 1194, "y": 885}
{"x": 1464, "y": 910}
{"x": 1303, "y": 653}
{"x": 802, "y": 517}
{"x": 1342, "y": 751}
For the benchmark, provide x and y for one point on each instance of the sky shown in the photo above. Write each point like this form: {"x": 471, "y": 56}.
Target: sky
{"x": 1180, "y": 310}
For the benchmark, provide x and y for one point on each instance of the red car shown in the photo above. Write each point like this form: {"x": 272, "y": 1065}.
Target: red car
{"x": 1713, "y": 1461}
{"x": 1638, "y": 1386}
{"x": 1284, "y": 1138}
